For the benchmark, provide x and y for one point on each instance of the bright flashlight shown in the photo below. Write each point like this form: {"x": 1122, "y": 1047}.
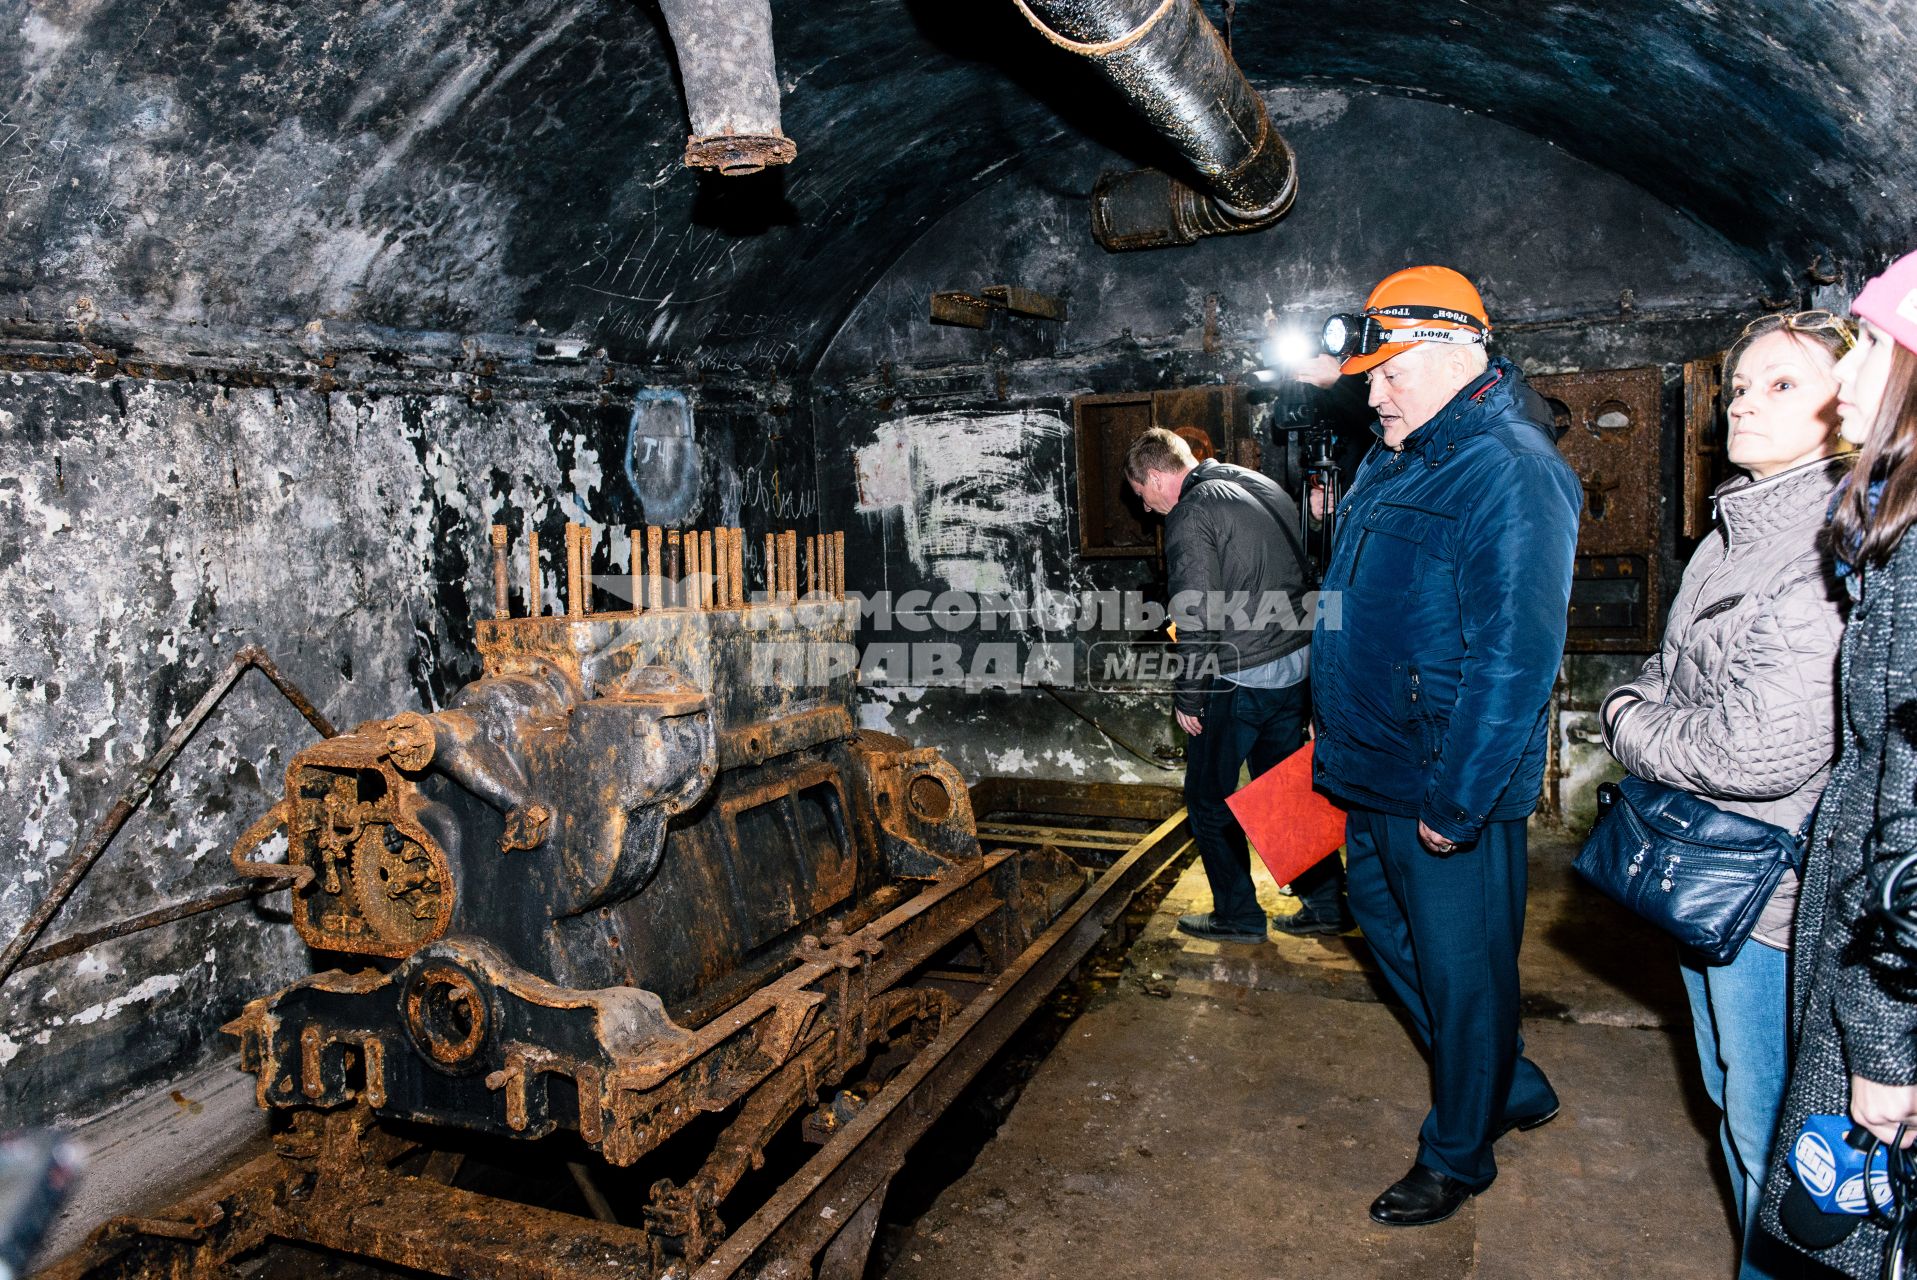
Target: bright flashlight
{"x": 1288, "y": 349}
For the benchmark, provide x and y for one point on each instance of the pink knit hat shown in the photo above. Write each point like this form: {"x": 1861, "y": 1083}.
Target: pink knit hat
{"x": 1890, "y": 301}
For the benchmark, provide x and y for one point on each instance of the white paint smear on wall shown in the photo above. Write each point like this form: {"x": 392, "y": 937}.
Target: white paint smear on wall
{"x": 965, "y": 489}
{"x": 149, "y": 988}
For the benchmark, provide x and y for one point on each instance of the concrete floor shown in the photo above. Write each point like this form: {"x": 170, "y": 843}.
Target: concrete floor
{"x": 1230, "y": 1111}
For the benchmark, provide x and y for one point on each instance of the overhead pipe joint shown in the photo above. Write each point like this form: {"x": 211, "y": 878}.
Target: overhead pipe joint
{"x": 731, "y": 84}
{"x": 1170, "y": 62}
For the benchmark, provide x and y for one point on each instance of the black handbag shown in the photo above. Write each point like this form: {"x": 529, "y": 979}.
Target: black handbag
{"x": 1695, "y": 871}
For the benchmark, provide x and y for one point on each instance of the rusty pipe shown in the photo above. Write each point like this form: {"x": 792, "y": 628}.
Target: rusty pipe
{"x": 738, "y": 567}
{"x": 535, "y": 589}
{"x": 731, "y": 83}
{"x": 501, "y": 606}
{"x": 1168, "y": 60}
{"x": 655, "y": 567}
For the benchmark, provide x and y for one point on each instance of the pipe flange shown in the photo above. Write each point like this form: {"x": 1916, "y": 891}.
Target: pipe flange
{"x": 734, "y": 155}
{"x": 1099, "y": 48}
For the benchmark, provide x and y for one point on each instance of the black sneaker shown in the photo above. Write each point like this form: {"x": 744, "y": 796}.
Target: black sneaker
{"x": 1202, "y": 926}
{"x": 1309, "y": 924}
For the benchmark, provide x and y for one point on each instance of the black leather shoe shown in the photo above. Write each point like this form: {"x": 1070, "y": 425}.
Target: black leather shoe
{"x": 1420, "y": 1198}
{"x": 1203, "y": 926}
{"x": 1524, "y": 1124}
{"x": 1306, "y": 924}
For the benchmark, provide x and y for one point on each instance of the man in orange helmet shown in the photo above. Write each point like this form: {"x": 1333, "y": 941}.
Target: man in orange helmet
{"x": 1452, "y": 563}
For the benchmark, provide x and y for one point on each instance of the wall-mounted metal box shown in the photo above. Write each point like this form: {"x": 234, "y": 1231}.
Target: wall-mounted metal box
{"x": 1613, "y": 428}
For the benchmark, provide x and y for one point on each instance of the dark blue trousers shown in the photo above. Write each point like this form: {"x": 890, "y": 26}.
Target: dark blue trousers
{"x": 1445, "y": 934}
{"x": 1259, "y": 728}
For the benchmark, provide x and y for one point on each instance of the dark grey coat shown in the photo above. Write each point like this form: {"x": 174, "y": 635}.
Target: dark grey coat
{"x": 1228, "y": 560}
{"x": 1853, "y": 1001}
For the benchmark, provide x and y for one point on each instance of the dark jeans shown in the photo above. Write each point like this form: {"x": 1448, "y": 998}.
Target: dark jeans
{"x": 1259, "y": 727}
{"x": 1444, "y": 932}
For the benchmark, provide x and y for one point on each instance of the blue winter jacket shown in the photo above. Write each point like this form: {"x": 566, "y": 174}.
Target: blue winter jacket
{"x": 1452, "y": 568}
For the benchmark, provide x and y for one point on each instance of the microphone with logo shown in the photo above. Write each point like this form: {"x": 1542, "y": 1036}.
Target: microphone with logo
{"x": 1832, "y": 1190}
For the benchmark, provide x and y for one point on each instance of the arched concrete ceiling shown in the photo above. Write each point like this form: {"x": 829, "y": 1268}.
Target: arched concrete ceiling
{"x": 1781, "y": 124}
{"x": 365, "y": 171}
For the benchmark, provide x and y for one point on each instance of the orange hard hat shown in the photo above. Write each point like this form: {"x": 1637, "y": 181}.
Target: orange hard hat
{"x": 1435, "y": 302}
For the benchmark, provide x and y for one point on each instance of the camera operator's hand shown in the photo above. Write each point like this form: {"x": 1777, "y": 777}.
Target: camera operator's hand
{"x": 1317, "y": 500}
{"x": 1319, "y": 371}
{"x": 1881, "y": 1108}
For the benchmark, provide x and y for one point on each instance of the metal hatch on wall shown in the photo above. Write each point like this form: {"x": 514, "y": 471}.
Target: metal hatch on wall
{"x": 1612, "y": 424}
{"x": 1215, "y": 420}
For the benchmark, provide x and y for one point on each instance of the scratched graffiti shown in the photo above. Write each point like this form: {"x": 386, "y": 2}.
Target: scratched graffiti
{"x": 28, "y": 160}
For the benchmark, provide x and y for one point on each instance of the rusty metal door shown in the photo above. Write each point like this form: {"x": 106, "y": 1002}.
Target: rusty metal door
{"x": 1613, "y": 428}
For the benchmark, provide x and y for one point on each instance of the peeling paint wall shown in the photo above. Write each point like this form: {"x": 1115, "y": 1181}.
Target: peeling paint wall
{"x": 262, "y": 196}
{"x": 148, "y": 531}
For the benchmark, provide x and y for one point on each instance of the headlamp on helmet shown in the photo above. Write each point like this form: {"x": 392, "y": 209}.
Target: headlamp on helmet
{"x": 1347, "y": 336}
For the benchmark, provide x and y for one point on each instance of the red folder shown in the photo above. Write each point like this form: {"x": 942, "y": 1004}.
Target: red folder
{"x": 1292, "y": 827}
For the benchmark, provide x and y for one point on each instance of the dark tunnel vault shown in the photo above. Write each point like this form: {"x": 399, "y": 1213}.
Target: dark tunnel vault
{"x": 383, "y": 168}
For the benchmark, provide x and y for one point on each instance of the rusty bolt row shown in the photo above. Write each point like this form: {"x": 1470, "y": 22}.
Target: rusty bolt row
{"x": 682, "y": 569}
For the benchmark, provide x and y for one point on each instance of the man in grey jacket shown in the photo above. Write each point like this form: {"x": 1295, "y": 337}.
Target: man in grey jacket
{"x": 1244, "y": 644}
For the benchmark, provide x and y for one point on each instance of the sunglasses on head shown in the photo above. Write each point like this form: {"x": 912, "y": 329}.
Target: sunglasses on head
{"x": 1805, "y": 322}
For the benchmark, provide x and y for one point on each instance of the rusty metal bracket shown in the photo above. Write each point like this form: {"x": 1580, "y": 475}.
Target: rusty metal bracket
{"x": 1025, "y": 302}
{"x": 962, "y": 309}
{"x": 974, "y": 311}
{"x": 147, "y": 777}
{"x": 272, "y": 820}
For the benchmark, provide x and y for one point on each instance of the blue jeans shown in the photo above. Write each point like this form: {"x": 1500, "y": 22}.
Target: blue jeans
{"x": 1258, "y": 727}
{"x": 1741, "y": 1015}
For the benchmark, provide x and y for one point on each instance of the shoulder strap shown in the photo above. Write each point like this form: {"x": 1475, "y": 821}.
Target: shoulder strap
{"x": 1277, "y": 518}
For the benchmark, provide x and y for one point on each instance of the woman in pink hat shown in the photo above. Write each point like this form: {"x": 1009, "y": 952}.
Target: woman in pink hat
{"x": 1853, "y": 982}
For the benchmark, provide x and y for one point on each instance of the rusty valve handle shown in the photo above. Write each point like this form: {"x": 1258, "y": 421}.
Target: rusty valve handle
{"x": 272, "y": 820}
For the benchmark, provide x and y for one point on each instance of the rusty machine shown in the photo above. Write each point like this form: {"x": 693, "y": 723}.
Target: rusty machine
{"x": 643, "y": 879}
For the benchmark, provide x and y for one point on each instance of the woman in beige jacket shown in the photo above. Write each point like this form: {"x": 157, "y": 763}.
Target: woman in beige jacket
{"x": 1739, "y": 706}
